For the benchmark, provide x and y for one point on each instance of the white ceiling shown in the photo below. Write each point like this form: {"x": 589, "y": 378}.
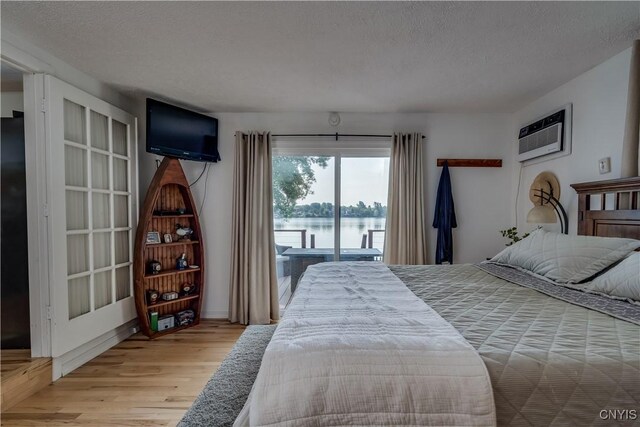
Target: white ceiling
{"x": 331, "y": 56}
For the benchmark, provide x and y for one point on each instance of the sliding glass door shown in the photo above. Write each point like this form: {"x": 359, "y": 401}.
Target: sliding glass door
{"x": 308, "y": 186}
{"x": 363, "y": 207}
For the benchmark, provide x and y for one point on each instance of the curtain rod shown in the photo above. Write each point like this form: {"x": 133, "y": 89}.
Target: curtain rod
{"x": 336, "y": 135}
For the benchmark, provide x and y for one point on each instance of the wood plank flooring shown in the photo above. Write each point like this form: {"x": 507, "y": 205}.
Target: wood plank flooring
{"x": 136, "y": 383}
{"x": 12, "y": 360}
{"x": 21, "y": 376}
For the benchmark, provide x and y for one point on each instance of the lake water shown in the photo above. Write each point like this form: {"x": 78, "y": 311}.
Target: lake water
{"x": 351, "y": 231}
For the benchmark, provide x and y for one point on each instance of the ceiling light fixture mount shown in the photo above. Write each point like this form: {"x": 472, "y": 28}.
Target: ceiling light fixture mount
{"x": 334, "y": 119}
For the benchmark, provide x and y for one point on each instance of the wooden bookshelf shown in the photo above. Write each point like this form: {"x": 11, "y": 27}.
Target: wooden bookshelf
{"x": 151, "y": 307}
{"x": 178, "y": 243}
{"x": 168, "y": 192}
{"x": 172, "y": 272}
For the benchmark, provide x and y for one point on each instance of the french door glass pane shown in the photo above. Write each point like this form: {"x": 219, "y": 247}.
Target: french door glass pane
{"x": 99, "y": 171}
{"x": 120, "y": 175}
{"x": 121, "y": 246}
{"x": 77, "y": 210}
{"x": 121, "y": 211}
{"x": 101, "y": 212}
{"x": 96, "y": 161}
{"x": 75, "y": 166}
{"x": 120, "y": 145}
{"x": 303, "y": 189}
{"x": 364, "y": 187}
{"x": 123, "y": 282}
{"x": 101, "y": 289}
{"x": 75, "y": 125}
{"x": 101, "y": 250}
{"x": 99, "y": 131}
{"x": 77, "y": 253}
{"x": 79, "y": 303}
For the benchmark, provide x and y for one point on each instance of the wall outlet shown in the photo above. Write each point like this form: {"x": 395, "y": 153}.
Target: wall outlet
{"x": 604, "y": 165}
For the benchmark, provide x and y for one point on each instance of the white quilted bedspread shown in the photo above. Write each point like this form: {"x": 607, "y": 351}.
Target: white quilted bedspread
{"x": 357, "y": 347}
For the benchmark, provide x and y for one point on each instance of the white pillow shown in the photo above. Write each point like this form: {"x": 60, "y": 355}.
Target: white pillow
{"x": 565, "y": 259}
{"x": 622, "y": 281}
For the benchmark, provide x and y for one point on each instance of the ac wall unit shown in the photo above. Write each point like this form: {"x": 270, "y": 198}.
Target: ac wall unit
{"x": 543, "y": 137}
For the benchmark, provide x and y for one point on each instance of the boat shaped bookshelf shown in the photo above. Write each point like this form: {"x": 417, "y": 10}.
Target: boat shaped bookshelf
{"x": 168, "y": 203}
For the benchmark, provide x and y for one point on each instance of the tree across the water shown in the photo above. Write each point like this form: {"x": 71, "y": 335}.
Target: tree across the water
{"x": 326, "y": 210}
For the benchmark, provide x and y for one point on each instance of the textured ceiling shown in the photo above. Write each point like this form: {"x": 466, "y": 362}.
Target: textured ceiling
{"x": 331, "y": 56}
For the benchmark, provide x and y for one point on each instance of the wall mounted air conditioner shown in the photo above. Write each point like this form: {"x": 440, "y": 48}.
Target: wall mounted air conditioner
{"x": 545, "y": 136}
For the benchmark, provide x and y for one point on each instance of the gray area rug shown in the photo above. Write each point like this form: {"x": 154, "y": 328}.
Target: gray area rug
{"x": 223, "y": 397}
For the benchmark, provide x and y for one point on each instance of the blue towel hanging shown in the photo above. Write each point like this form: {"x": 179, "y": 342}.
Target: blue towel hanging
{"x": 445, "y": 217}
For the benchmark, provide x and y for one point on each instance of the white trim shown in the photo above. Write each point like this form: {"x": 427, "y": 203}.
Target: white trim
{"x": 21, "y": 59}
{"x": 37, "y": 215}
{"x": 337, "y": 204}
{"x": 65, "y": 364}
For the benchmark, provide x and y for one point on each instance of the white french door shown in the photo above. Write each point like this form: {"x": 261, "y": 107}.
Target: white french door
{"x": 92, "y": 204}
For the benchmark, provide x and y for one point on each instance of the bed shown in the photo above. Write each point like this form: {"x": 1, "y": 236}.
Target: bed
{"x": 551, "y": 362}
{"x": 553, "y": 355}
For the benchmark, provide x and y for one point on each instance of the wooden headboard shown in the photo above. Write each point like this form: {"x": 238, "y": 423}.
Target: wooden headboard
{"x": 609, "y": 208}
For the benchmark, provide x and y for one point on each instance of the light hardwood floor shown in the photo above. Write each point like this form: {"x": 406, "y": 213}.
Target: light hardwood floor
{"x": 21, "y": 376}
{"x": 137, "y": 383}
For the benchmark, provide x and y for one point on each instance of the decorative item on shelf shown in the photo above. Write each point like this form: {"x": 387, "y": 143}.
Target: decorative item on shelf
{"x": 153, "y": 238}
{"x": 194, "y": 266}
{"x": 188, "y": 289}
{"x": 153, "y": 321}
{"x": 184, "y": 232}
{"x": 154, "y": 267}
{"x": 544, "y": 193}
{"x": 168, "y": 238}
{"x": 152, "y": 296}
{"x": 181, "y": 262}
{"x": 185, "y": 317}
{"x": 169, "y": 296}
{"x": 164, "y": 212}
{"x": 166, "y": 322}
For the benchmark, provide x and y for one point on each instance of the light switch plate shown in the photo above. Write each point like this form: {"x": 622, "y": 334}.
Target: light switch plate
{"x": 604, "y": 165}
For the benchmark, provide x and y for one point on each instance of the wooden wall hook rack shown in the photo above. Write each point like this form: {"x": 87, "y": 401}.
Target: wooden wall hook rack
{"x": 471, "y": 163}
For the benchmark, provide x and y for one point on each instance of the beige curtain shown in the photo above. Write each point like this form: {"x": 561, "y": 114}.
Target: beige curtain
{"x": 405, "y": 239}
{"x": 631, "y": 142}
{"x": 254, "y": 287}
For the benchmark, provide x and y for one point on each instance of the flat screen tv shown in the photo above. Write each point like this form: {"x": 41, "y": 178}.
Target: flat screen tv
{"x": 176, "y": 132}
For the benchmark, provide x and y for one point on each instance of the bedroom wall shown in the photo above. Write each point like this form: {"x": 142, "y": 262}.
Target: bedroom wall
{"x": 10, "y": 101}
{"x": 482, "y": 195}
{"x": 599, "y": 98}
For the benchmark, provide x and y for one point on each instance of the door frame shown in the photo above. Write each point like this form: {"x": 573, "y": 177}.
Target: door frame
{"x": 337, "y": 150}
{"x": 33, "y": 70}
{"x": 38, "y": 230}
{"x": 36, "y": 183}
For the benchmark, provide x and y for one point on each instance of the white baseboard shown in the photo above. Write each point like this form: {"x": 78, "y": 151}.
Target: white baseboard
{"x": 72, "y": 360}
{"x": 215, "y": 314}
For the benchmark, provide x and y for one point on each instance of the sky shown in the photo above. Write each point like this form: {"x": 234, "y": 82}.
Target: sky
{"x": 363, "y": 179}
